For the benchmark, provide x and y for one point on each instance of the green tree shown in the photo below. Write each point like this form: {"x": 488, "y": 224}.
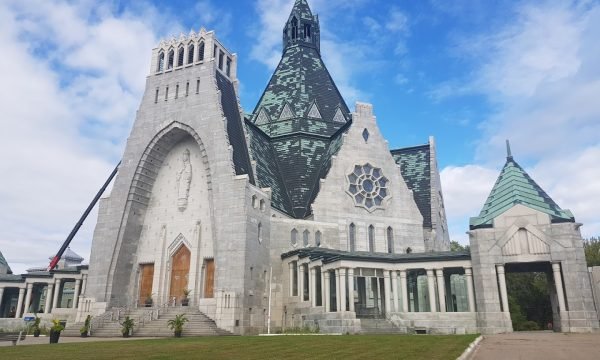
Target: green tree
{"x": 529, "y": 300}
{"x": 455, "y": 246}
{"x": 591, "y": 247}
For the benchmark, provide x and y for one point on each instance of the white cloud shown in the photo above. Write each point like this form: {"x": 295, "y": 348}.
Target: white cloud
{"x": 541, "y": 72}
{"x": 76, "y": 77}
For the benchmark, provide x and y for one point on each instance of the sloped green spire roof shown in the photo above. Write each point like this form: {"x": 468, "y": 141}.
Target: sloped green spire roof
{"x": 515, "y": 186}
{"x": 4, "y": 264}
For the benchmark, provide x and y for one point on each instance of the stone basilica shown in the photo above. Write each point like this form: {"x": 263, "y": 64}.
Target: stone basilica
{"x": 299, "y": 214}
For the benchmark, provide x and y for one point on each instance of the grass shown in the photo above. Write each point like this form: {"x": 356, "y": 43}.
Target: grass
{"x": 254, "y": 347}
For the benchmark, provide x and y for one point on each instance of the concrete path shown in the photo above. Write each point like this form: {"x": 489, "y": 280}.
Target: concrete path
{"x": 540, "y": 345}
{"x": 30, "y": 340}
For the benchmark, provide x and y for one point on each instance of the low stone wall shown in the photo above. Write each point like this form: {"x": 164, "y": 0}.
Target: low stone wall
{"x": 333, "y": 323}
{"x": 595, "y": 281}
{"x": 8, "y": 324}
{"x": 437, "y": 323}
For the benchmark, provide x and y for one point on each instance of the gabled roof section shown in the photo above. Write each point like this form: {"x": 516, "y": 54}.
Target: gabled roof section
{"x": 514, "y": 186}
{"x": 415, "y": 167}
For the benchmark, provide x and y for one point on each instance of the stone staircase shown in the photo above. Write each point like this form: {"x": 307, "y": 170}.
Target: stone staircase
{"x": 198, "y": 324}
{"x": 380, "y": 326}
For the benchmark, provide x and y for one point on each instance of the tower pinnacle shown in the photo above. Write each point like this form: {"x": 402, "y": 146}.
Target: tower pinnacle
{"x": 302, "y": 27}
{"x": 508, "y": 152}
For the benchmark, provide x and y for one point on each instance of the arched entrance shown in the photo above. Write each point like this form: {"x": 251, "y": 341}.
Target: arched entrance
{"x": 180, "y": 269}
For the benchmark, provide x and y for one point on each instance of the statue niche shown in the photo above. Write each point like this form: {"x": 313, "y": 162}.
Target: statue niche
{"x": 184, "y": 180}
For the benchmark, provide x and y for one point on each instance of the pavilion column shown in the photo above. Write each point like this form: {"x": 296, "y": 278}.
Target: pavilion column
{"x": 395, "y": 289}
{"x": 28, "y": 297}
{"x": 386, "y": 290}
{"x": 322, "y": 287}
{"x": 470, "y": 292}
{"x": 49, "y": 294}
{"x": 351, "y": 289}
{"x": 441, "y": 289}
{"x": 1, "y": 295}
{"x": 337, "y": 290}
{"x": 502, "y": 283}
{"x": 403, "y": 291}
{"x": 76, "y": 293}
{"x": 301, "y": 281}
{"x": 56, "y": 292}
{"x": 20, "y": 303}
{"x": 342, "y": 289}
{"x": 326, "y": 292}
{"x": 559, "y": 286}
{"x": 291, "y": 265}
{"x": 83, "y": 284}
{"x": 313, "y": 286}
{"x": 431, "y": 290}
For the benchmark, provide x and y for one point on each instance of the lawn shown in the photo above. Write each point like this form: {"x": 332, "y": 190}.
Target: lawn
{"x": 254, "y": 347}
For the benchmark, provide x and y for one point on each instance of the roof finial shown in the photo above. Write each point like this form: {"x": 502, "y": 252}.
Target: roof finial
{"x": 508, "y": 153}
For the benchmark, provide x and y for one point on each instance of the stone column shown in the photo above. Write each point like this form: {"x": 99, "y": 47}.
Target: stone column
{"x": 502, "y": 282}
{"x": 470, "y": 292}
{"x": 395, "y": 290}
{"x": 83, "y": 284}
{"x": 20, "y": 303}
{"x": 431, "y": 290}
{"x": 56, "y": 291}
{"x": 343, "y": 289}
{"x": 322, "y": 288}
{"x": 403, "y": 291}
{"x": 47, "y": 306}
{"x": 313, "y": 286}
{"x": 76, "y": 293}
{"x": 1, "y": 295}
{"x": 291, "y": 265}
{"x": 559, "y": 286}
{"x": 337, "y": 290}
{"x": 351, "y": 289}
{"x": 28, "y": 298}
{"x": 441, "y": 289}
{"x": 386, "y": 290}
{"x": 301, "y": 282}
{"x": 327, "y": 293}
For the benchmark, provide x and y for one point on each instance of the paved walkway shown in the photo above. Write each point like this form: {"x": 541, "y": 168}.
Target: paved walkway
{"x": 540, "y": 345}
{"x": 30, "y": 340}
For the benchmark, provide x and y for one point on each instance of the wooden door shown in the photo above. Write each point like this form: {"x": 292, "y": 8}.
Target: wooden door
{"x": 180, "y": 269}
{"x": 209, "y": 281}
{"x": 146, "y": 277}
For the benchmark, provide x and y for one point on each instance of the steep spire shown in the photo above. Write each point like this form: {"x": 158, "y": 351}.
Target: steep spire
{"x": 301, "y": 27}
{"x": 514, "y": 186}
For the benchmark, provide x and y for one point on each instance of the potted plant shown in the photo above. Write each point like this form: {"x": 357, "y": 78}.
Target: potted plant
{"x": 55, "y": 330}
{"x": 127, "y": 326}
{"x": 148, "y": 301}
{"x": 186, "y": 299}
{"x": 36, "y": 326}
{"x": 85, "y": 329}
{"x": 177, "y": 323}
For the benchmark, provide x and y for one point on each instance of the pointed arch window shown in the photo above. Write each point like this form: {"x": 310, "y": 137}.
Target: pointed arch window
{"x": 318, "y": 238}
{"x": 352, "y": 237}
{"x": 294, "y": 28}
{"x": 259, "y": 233}
{"x": 171, "y": 59}
{"x": 161, "y": 62}
{"x": 390, "y": 239}
{"x": 294, "y": 237}
{"x": 201, "y": 51}
{"x": 180, "y": 56}
{"x": 190, "y": 59}
{"x": 305, "y": 236}
{"x": 306, "y": 31}
{"x": 371, "y": 238}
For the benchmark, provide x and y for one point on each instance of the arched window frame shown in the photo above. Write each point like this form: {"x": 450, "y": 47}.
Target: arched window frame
{"x": 201, "y": 51}
{"x": 390, "y": 239}
{"x": 259, "y": 230}
{"x": 160, "y": 66}
{"x": 180, "y": 56}
{"x": 352, "y": 237}
{"x": 305, "y": 236}
{"x": 371, "y": 236}
{"x": 294, "y": 237}
{"x": 171, "y": 59}
{"x": 191, "y": 49}
{"x": 294, "y": 28}
{"x": 318, "y": 238}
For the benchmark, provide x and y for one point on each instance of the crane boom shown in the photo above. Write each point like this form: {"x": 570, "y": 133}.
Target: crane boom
{"x": 64, "y": 246}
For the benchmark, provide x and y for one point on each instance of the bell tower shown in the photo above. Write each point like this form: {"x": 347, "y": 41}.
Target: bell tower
{"x": 302, "y": 27}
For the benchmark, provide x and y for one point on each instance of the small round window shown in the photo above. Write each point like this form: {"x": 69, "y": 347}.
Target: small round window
{"x": 367, "y": 186}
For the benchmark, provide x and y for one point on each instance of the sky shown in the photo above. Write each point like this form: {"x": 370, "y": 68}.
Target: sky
{"x": 471, "y": 73}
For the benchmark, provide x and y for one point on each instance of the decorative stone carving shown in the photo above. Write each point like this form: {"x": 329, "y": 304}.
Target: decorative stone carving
{"x": 184, "y": 180}
{"x": 367, "y": 186}
{"x": 524, "y": 242}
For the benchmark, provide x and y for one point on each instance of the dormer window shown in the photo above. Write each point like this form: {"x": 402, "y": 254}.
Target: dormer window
{"x": 180, "y": 56}
{"x": 190, "y": 59}
{"x": 171, "y": 59}
{"x": 201, "y": 51}
{"x": 306, "y": 31}
{"x": 161, "y": 62}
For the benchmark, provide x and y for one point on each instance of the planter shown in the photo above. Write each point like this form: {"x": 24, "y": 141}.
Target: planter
{"x": 84, "y": 334}
{"x": 148, "y": 304}
{"x": 178, "y": 333}
{"x": 126, "y": 335}
{"x": 185, "y": 302}
{"x": 54, "y": 336}
{"x": 36, "y": 333}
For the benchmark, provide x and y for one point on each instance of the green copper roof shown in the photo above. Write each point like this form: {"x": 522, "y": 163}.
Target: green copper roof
{"x": 515, "y": 186}
{"x": 4, "y": 264}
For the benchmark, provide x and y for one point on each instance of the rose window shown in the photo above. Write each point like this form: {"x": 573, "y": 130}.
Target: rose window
{"x": 368, "y": 186}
